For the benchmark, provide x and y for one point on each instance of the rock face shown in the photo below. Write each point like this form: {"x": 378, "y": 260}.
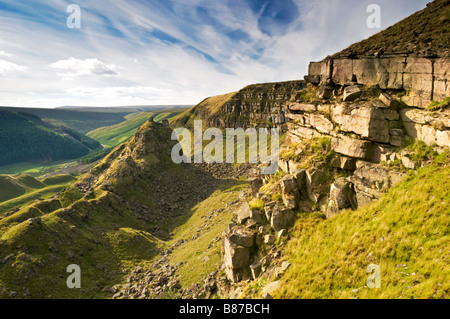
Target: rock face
{"x": 238, "y": 243}
{"x": 256, "y": 105}
{"x": 342, "y": 196}
{"x": 255, "y": 183}
{"x": 426, "y": 78}
{"x": 351, "y": 93}
{"x": 290, "y": 192}
{"x": 352, "y": 147}
{"x": 372, "y": 181}
{"x": 282, "y": 218}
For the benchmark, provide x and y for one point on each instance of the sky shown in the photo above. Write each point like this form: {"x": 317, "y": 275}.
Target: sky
{"x": 163, "y": 52}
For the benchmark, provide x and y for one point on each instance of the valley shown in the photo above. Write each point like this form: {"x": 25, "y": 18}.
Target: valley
{"x": 360, "y": 195}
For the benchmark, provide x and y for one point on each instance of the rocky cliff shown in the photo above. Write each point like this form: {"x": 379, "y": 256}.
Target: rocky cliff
{"x": 412, "y": 55}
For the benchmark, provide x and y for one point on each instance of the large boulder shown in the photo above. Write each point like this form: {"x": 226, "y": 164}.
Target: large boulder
{"x": 367, "y": 121}
{"x": 281, "y": 218}
{"x": 352, "y": 147}
{"x": 243, "y": 213}
{"x": 315, "y": 181}
{"x": 343, "y": 162}
{"x": 238, "y": 245}
{"x": 352, "y": 93}
{"x": 290, "y": 192}
{"x": 372, "y": 181}
{"x": 255, "y": 183}
{"x": 321, "y": 123}
{"x": 342, "y": 196}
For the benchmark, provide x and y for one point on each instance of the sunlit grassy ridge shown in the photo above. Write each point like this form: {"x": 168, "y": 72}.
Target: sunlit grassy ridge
{"x": 111, "y": 136}
{"x": 20, "y": 190}
{"x": 406, "y": 234}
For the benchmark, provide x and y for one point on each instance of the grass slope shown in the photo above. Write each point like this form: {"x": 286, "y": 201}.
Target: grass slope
{"x": 111, "y": 136}
{"x": 30, "y": 189}
{"x": 425, "y": 32}
{"x": 406, "y": 234}
{"x": 81, "y": 120}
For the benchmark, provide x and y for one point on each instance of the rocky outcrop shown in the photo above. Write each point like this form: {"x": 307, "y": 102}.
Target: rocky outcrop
{"x": 371, "y": 181}
{"x": 238, "y": 245}
{"x": 427, "y": 79}
{"x": 259, "y": 105}
{"x": 342, "y": 196}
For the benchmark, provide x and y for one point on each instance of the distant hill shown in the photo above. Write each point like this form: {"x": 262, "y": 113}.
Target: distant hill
{"x": 123, "y": 109}
{"x": 25, "y": 137}
{"x": 114, "y": 135}
{"x": 83, "y": 120}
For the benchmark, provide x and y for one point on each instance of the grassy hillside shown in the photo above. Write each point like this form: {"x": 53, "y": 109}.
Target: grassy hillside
{"x": 138, "y": 204}
{"x": 426, "y": 32}
{"x": 114, "y": 135}
{"x": 20, "y": 190}
{"x": 406, "y": 234}
{"x": 81, "y": 120}
{"x": 26, "y": 140}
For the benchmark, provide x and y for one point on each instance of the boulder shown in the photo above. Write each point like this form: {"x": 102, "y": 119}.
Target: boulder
{"x": 342, "y": 196}
{"x": 301, "y": 107}
{"x": 371, "y": 181}
{"x": 386, "y": 99}
{"x": 314, "y": 79}
{"x": 281, "y": 218}
{"x": 352, "y": 93}
{"x": 343, "y": 162}
{"x": 352, "y": 147}
{"x": 237, "y": 244}
{"x": 397, "y": 137}
{"x": 315, "y": 180}
{"x": 255, "y": 183}
{"x": 443, "y": 138}
{"x": 255, "y": 269}
{"x": 378, "y": 150}
{"x": 300, "y": 177}
{"x": 321, "y": 123}
{"x": 325, "y": 92}
{"x": 243, "y": 213}
{"x": 408, "y": 162}
{"x": 367, "y": 121}
{"x": 290, "y": 192}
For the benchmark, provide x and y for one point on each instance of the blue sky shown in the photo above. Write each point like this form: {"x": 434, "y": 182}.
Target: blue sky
{"x": 170, "y": 51}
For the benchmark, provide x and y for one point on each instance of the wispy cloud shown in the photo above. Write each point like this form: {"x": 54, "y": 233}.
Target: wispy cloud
{"x": 170, "y": 51}
{"x": 76, "y": 67}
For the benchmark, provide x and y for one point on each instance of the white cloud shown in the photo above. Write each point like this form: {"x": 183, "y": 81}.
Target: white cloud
{"x": 5, "y": 54}
{"x": 75, "y": 67}
{"x": 115, "y": 60}
{"x": 7, "y": 67}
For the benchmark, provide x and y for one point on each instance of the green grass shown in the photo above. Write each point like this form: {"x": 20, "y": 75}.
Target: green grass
{"x": 31, "y": 189}
{"x": 111, "y": 136}
{"x": 406, "y": 234}
{"x": 202, "y": 255}
{"x": 58, "y": 179}
{"x": 257, "y": 204}
{"x": 36, "y": 170}
{"x": 27, "y": 198}
{"x": 437, "y": 105}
